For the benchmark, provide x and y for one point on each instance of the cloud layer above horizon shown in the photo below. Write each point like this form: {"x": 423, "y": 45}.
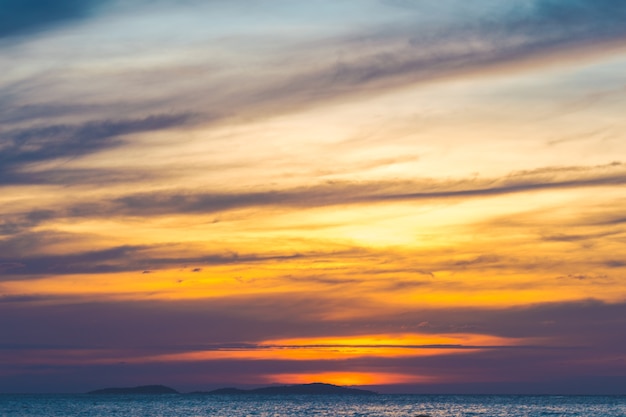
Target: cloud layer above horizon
{"x": 415, "y": 196}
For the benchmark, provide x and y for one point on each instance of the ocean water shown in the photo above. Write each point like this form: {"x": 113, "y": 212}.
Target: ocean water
{"x": 309, "y": 405}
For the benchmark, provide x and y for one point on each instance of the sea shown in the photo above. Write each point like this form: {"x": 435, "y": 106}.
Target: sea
{"x": 86, "y": 405}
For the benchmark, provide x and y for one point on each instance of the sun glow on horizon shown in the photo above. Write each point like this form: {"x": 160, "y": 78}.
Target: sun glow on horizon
{"x": 348, "y": 378}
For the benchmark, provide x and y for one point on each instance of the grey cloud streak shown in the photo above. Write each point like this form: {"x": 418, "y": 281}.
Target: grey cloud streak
{"x": 327, "y": 194}
{"x": 16, "y": 223}
{"x": 119, "y": 259}
{"x": 419, "y": 52}
{"x": 26, "y": 146}
{"x": 336, "y": 193}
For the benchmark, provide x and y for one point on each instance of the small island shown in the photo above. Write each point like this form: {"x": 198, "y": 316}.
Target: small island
{"x": 316, "y": 388}
{"x": 144, "y": 389}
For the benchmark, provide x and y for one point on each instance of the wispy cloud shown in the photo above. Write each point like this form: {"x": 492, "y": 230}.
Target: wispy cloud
{"x": 506, "y": 37}
{"x": 16, "y": 223}
{"x": 124, "y": 258}
{"x": 340, "y": 193}
{"x": 336, "y": 193}
{"x": 24, "y": 147}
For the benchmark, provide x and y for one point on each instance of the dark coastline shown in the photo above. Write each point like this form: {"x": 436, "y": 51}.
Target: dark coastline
{"x": 303, "y": 389}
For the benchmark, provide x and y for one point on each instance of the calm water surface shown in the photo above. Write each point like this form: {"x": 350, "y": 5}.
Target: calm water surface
{"x": 327, "y": 406}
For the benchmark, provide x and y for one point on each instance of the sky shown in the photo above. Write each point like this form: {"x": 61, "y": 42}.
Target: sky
{"x": 408, "y": 195}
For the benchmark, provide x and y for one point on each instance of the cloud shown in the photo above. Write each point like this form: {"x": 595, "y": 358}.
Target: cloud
{"x": 119, "y": 259}
{"x": 225, "y": 320}
{"x": 331, "y": 67}
{"x": 339, "y": 193}
{"x": 16, "y": 223}
{"x": 611, "y": 221}
{"x": 240, "y": 321}
{"x": 579, "y": 339}
{"x": 586, "y": 277}
{"x": 95, "y": 177}
{"x": 27, "y": 298}
{"x": 31, "y": 242}
{"x": 579, "y": 237}
{"x": 22, "y": 148}
{"x": 479, "y": 260}
{"x": 14, "y": 113}
{"x": 19, "y": 17}
{"x": 55, "y": 141}
{"x": 326, "y": 194}
{"x": 8, "y": 266}
{"x": 99, "y": 261}
{"x": 577, "y": 323}
{"x": 507, "y": 37}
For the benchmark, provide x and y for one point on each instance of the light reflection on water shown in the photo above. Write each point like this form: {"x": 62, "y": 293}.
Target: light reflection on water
{"x": 313, "y": 406}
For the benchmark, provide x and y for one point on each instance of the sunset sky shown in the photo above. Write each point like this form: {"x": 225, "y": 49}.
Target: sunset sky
{"x": 411, "y": 195}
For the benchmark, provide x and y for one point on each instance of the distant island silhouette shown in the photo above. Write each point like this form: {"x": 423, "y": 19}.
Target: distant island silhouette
{"x": 316, "y": 388}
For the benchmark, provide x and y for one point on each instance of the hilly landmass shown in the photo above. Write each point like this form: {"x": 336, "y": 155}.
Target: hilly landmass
{"x": 304, "y": 389}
